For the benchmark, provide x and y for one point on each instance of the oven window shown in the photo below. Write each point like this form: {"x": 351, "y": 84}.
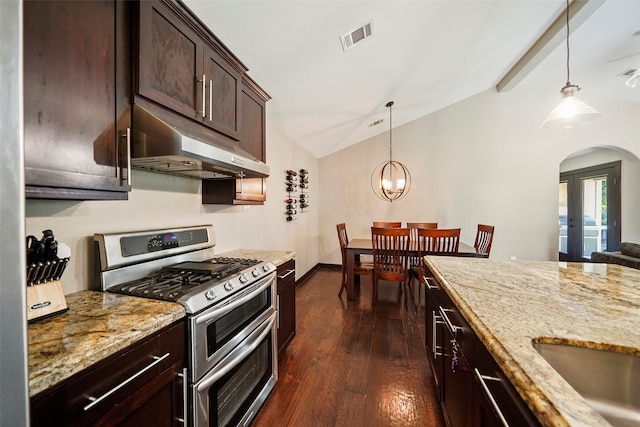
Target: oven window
{"x": 227, "y": 327}
{"x": 233, "y": 394}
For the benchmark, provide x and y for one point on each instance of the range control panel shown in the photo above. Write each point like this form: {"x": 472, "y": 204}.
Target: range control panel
{"x": 141, "y": 244}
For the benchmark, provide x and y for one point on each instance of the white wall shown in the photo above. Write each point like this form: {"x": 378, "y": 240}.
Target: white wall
{"x": 160, "y": 201}
{"x": 482, "y": 160}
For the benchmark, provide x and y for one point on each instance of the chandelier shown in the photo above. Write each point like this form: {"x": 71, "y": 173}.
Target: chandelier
{"x": 571, "y": 111}
{"x": 390, "y": 180}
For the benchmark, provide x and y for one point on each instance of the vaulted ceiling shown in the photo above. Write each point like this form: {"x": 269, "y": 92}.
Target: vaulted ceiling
{"x": 423, "y": 54}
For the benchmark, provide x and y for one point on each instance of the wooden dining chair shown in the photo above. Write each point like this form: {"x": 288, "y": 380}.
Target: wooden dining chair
{"x": 387, "y": 224}
{"x": 415, "y": 261}
{"x": 359, "y": 268}
{"x": 414, "y": 226}
{"x": 484, "y": 238}
{"x": 432, "y": 241}
{"x": 390, "y": 257}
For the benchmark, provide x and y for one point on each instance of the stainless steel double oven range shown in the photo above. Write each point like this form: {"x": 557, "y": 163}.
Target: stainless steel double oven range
{"x": 231, "y": 314}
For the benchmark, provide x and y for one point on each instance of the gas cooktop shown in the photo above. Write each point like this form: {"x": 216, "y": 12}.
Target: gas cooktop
{"x": 174, "y": 265}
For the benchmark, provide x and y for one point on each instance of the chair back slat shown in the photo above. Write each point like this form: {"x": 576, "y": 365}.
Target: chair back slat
{"x": 414, "y": 227}
{"x": 390, "y": 246}
{"x": 441, "y": 241}
{"x": 343, "y": 239}
{"x": 484, "y": 239}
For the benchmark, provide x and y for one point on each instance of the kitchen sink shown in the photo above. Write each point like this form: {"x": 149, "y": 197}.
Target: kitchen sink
{"x": 608, "y": 380}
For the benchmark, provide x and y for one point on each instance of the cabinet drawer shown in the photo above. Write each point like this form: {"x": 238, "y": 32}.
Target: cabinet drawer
{"x": 496, "y": 398}
{"x": 90, "y": 394}
{"x": 286, "y": 273}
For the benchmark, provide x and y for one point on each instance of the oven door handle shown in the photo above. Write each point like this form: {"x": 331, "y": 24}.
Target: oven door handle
{"x": 234, "y": 359}
{"x": 223, "y": 309}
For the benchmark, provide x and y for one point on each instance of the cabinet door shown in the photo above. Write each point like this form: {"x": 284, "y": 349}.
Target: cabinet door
{"x": 496, "y": 401}
{"x": 457, "y": 384}
{"x": 434, "y": 334}
{"x": 159, "y": 403}
{"x": 170, "y": 56}
{"x": 76, "y": 99}
{"x": 286, "y": 304}
{"x": 252, "y": 131}
{"x": 222, "y": 93}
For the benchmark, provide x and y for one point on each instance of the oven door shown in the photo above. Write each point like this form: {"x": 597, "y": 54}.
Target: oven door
{"x": 233, "y": 392}
{"x": 217, "y": 330}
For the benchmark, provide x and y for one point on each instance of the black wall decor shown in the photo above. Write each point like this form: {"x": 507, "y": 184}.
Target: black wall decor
{"x": 291, "y": 184}
{"x": 304, "y": 189}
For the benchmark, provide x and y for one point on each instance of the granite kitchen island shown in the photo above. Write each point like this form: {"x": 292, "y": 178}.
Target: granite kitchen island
{"x": 512, "y": 304}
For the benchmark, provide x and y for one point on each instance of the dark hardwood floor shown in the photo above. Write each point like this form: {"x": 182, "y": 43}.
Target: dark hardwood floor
{"x": 351, "y": 363}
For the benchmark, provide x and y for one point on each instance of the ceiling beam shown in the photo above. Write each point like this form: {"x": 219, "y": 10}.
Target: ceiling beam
{"x": 579, "y": 11}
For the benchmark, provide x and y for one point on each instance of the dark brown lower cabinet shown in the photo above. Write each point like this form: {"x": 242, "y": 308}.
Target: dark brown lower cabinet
{"x": 286, "y": 304}
{"x": 142, "y": 385}
{"x": 496, "y": 401}
{"x": 473, "y": 390}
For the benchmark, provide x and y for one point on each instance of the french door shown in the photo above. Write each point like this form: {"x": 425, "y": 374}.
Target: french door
{"x": 589, "y": 211}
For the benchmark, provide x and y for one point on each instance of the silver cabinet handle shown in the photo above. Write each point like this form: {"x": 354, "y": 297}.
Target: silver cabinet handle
{"x": 278, "y": 311}
{"x": 127, "y": 142}
{"x": 128, "y": 156}
{"x": 204, "y": 96}
{"x": 210, "y": 100}
{"x": 453, "y": 328}
{"x": 185, "y": 390}
{"x": 437, "y": 320}
{"x": 287, "y": 274}
{"x": 427, "y": 280}
{"x": 96, "y": 400}
{"x": 481, "y": 378}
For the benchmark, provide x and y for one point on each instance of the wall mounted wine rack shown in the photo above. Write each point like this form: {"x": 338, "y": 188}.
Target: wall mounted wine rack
{"x": 293, "y": 181}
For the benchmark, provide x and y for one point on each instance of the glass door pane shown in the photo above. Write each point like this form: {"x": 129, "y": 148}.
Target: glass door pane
{"x": 594, "y": 208}
{"x": 562, "y": 218}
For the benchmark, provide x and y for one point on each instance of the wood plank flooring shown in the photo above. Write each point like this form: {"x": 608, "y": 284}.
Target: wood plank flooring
{"x": 351, "y": 363}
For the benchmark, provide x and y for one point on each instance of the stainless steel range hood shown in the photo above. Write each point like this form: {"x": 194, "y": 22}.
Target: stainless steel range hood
{"x": 177, "y": 149}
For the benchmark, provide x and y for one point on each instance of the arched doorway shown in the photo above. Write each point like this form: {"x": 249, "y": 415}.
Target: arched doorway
{"x": 590, "y": 202}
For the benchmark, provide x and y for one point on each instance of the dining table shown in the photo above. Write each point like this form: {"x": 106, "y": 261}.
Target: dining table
{"x": 357, "y": 247}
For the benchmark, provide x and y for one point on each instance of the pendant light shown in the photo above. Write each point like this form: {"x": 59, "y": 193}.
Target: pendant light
{"x": 390, "y": 180}
{"x": 571, "y": 111}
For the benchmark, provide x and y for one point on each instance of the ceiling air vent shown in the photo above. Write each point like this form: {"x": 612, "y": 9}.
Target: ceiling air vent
{"x": 356, "y": 36}
{"x": 627, "y": 73}
{"x": 377, "y": 122}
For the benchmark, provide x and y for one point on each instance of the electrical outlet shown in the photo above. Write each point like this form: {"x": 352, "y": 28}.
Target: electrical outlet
{"x": 513, "y": 257}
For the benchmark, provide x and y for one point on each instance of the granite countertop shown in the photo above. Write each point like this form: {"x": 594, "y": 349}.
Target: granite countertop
{"x": 97, "y": 325}
{"x": 509, "y": 304}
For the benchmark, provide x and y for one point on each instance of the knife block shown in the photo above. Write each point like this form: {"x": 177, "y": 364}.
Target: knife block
{"x": 45, "y": 299}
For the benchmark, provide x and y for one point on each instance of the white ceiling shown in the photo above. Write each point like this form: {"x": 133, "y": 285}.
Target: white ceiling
{"x": 424, "y": 55}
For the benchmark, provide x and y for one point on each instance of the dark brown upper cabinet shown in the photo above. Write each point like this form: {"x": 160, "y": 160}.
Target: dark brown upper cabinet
{"x": 184, "y": 69}
{"x": 246, "y": 191}
{"x": 252, "y": 131}
{"x": 76, "y": 99}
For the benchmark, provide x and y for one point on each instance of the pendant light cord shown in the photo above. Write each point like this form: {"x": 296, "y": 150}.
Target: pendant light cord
{"x": 568, "y": 72}
{"x": 390, "y": 104}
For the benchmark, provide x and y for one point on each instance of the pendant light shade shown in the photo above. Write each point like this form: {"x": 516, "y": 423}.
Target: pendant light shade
{"x": 390, "y": 180}
{"x": 571, "y": 111}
